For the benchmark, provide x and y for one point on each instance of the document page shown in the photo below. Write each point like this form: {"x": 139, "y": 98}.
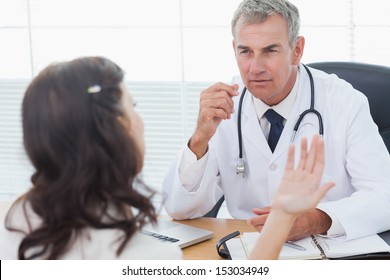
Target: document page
{"x": 336, "y": 248}
{"x": 332, "y": 247}
{"x": 310, "y": 252}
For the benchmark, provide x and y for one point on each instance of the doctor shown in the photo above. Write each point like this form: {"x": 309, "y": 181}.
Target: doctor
{"x": 268, "y": 51}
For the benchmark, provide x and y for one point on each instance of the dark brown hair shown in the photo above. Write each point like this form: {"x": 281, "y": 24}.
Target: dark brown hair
{"x": 85, "y": 160}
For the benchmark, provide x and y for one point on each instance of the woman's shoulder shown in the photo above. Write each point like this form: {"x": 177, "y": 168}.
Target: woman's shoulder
{"x": 21, "y": 216}
{"x": 10, "y": 240}
{"x": 88, "y": 244}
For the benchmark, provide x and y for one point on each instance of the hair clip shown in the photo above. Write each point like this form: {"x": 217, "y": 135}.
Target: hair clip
{"x": 94, "y": 89}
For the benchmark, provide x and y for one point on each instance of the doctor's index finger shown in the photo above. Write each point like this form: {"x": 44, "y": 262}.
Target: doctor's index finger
{"x": 232, "y": 90}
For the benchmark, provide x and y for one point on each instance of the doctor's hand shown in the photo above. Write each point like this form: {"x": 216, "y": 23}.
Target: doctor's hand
{"x": 311, "y": 222}
{"x": 299, "y": 193}
{"x": 215, "y": 105}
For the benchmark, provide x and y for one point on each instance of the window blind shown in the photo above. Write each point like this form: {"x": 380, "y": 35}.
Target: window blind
{"x": 169, "y": 111}
{"x": 15, "y": 169}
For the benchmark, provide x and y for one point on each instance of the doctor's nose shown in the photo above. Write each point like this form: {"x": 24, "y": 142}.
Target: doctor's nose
{"x": 257, "y": 66}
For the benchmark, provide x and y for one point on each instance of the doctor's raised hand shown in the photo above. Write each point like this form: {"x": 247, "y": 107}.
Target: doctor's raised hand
{"x": 215, "y": 105}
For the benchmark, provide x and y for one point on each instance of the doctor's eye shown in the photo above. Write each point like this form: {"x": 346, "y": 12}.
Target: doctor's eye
{"x": 244, "y": 52}
{"x": 270, "y": 50}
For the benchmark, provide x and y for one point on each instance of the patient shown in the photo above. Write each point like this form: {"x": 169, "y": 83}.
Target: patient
{"x": 85, "y": 142}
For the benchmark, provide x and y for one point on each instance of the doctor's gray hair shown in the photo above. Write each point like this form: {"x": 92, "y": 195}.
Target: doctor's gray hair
{"x": 257, "y": 11}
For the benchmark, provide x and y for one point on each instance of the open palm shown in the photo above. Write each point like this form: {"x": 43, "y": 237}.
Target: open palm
{"x": 299, "y": 189}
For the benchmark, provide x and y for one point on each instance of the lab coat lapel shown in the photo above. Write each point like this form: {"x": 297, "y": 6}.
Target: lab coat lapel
{"x": 251, "y": 131}
{"x": 309, "y": 124}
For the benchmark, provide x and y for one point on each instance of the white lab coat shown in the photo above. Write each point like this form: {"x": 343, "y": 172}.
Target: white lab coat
{"x": 356, "y": 159}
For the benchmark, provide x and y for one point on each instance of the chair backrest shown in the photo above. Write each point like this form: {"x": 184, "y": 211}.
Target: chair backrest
{"x": 214, "y": 212}
{"x": 373, "y": 81}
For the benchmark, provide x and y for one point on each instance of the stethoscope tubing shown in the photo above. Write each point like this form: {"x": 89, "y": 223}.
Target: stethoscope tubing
{"x": 240, "y": 168}
{"x": 239, "y": 123}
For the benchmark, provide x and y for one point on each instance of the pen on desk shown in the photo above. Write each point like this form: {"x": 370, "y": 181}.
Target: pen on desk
{"x": 295, "y": 246}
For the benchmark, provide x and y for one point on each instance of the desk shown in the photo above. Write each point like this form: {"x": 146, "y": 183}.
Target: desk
{"x": 206, "y": 250}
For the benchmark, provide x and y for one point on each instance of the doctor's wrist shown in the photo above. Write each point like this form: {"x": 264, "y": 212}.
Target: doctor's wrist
{"x": 321, "y": 222}
{"x": 197, "y": 146}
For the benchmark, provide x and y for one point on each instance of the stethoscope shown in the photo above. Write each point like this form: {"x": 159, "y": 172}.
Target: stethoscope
{"x": 241, "y": 166}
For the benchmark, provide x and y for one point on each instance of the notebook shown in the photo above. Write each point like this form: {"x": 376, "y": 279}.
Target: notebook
{"x": 176, "y": 233}
{"x": 316, "y": 247}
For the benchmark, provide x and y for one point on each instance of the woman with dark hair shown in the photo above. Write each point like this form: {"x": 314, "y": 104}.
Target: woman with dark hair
{"x": 86, "y": 144}
{"x": 85, "y": 141}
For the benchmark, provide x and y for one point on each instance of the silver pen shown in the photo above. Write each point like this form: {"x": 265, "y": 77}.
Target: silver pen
{"x": 295, "y": 246}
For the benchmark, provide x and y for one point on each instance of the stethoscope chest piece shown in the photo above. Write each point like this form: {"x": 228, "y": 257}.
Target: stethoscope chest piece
{"x": 240, "y": 169}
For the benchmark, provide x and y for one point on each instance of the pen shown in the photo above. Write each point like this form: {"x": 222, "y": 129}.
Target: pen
{"x": 295, "y": 246}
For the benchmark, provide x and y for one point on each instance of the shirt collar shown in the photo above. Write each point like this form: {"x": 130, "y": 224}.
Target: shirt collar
{"x": 283, "y": 108}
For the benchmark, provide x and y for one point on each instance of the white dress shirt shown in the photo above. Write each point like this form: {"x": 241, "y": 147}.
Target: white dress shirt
{"x": 283, "y": 108}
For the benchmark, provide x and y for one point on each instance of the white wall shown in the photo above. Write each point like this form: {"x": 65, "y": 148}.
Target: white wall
{"x": 169, "y": 49}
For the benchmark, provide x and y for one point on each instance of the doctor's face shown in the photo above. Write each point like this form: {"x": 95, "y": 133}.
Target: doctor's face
{"x": 267, "y": 62}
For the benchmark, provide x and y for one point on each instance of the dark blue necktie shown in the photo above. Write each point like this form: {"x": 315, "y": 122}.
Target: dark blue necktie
{"x": 276, "y": 122}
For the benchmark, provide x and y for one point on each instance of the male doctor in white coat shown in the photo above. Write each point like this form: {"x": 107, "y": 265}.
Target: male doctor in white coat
{"x": 268, "y": 51}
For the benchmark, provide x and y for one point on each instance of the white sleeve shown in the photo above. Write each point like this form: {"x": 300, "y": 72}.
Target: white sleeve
{"x": 336, "y": 229}
{"x": 191, "y": 170}
{"x": 367, "y": 163}
{"x": 192, "y": 191}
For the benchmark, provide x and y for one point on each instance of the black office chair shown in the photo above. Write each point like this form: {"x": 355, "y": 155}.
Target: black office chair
{"x": 373, "y": 81}
{"x": 214, "y": 211}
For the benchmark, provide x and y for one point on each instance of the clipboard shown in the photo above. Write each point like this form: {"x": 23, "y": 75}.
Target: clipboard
{"x": 222, "y": 248}
{"x": 224, "y": 252}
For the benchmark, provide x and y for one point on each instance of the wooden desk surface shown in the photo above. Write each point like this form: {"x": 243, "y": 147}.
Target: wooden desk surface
{"x": 206, "y": 250}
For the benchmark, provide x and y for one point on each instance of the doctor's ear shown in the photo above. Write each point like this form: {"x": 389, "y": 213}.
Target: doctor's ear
{"x": 298, "y": 50}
